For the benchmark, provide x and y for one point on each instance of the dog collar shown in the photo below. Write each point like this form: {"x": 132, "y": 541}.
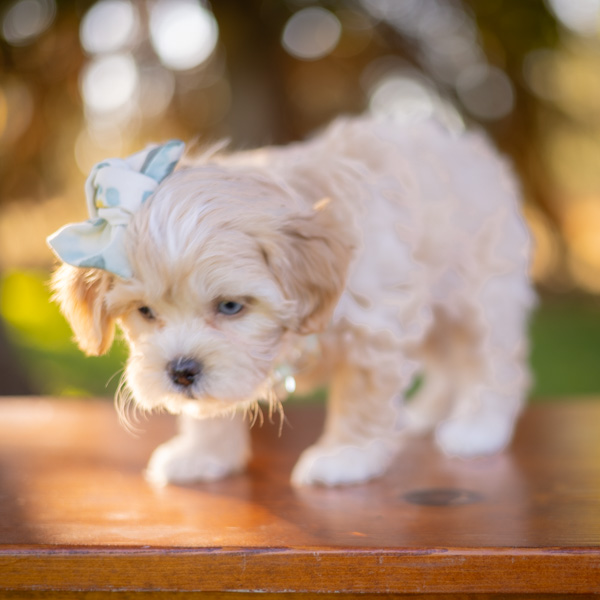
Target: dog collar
{"x": 115, "y": 190}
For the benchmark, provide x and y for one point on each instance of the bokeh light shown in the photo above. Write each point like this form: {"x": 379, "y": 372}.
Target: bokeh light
{"x": 25, "y": 20}
{"x": 486, "y": 92}
{"x": 401, "y": 95}
{"x": 311, "y": 33}
{"x": 405, "y": 94}
{"x": 538, "y": 67}
{"x": 580, "y": 16}
{"x": 95, "y": 143}
{"x": 157, "y": 87}
{"x": 16, "y": 110}
{"x": 395, "y": 11}
{"x": 108, "y": 26}
{"x": 581, "y": 228}
{"x": 546, "y": 256}
{"x": 184, "y": 33}
{"x": 109, "y": 83}
{"x": 356, "y": 34}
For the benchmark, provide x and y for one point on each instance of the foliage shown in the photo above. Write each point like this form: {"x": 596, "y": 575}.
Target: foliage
{"x": 42, "y": 338}
{"x": 565, "y": 348}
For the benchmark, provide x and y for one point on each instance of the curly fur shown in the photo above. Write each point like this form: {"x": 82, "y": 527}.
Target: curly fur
{"x": 401, "y": 246}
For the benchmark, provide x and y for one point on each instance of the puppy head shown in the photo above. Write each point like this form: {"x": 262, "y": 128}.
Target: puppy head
{"x": 227, "y": 267}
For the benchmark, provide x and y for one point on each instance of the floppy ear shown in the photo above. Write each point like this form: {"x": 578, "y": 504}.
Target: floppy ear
{"x": 310, "y": 259}
{"x": 81, "y": 293}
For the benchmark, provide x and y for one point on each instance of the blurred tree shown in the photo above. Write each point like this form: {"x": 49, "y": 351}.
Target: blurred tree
{"x": 278, "y": 70}
{"x": 38, "y": 106}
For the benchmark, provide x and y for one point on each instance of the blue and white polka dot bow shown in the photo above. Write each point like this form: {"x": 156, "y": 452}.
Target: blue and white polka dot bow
{"x": 115, "y": 190}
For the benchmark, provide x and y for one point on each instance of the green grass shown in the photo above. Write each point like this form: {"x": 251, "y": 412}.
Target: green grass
{"x": 565, "y": 335}
{"x": 43, "y": 341}
{"x": 565, "y": 351}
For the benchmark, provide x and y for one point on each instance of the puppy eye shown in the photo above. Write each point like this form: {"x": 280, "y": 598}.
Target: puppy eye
{"x": 229, "y": 307}
{"x": 146, "y": 312}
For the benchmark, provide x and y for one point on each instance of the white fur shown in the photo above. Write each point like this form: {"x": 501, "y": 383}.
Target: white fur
{"x": 401, "y": 246}
{"x": 204, "y": 449}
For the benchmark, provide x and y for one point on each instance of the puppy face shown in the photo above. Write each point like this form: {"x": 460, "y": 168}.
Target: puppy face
{"x": 227, "y": 267}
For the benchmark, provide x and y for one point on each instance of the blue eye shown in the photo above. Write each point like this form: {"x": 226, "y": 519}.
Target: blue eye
{"x": 229, "y": 307}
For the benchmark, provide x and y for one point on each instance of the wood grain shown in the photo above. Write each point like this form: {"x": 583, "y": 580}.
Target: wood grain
{"x": 77, "y": 515}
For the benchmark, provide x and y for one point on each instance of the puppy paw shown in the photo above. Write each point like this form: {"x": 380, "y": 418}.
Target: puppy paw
{"x": 182, "y": 460}
{"x": 477, "y": 435}
{"x": 342, "y": 465}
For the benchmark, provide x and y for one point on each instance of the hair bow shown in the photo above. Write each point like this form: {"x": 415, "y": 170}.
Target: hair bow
{"x": 115, "y": 190}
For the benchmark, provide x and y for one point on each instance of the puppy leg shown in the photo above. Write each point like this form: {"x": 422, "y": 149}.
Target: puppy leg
{"x": 441, "y": 354}
{"x": 494, "y": 376}
{"x": 204, "y": 450}
{"x": 361, "y": 437}
{"x": 432, "y": 401}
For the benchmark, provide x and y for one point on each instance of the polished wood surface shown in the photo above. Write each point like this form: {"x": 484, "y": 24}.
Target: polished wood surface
{"x": 76, "y": 513}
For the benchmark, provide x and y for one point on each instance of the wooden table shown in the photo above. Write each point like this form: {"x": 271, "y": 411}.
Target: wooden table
{"x": 77, "y": 516}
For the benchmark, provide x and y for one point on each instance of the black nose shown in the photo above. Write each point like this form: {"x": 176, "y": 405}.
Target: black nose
{"x": 184, "y": 371}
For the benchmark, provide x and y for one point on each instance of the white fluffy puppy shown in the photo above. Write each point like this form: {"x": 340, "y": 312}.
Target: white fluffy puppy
{"x": 360, "y": 258}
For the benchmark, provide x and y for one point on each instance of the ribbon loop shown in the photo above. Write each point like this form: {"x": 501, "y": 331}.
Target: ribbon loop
{"x": 115, "y": 190}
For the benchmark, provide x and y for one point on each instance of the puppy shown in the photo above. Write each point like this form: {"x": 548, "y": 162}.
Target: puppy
{"x": 372, "y": 253}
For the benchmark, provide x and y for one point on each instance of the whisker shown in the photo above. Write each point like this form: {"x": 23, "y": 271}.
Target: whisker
{"x": 256, "y": 414}
{"x": 127, "y": 409}
{"x": 282, "y": 417}
{"x": 249, "y": 413}
{"x": 276, "y": 405}
{"x": 118, "y": 372}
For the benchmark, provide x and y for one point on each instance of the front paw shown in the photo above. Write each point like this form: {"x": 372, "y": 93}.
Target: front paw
{"x": 342, "y": 464}
{"x": 183, "y": 460}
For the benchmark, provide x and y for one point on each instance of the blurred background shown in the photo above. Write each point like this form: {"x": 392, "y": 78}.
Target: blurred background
{"x": 81, "y": 81}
